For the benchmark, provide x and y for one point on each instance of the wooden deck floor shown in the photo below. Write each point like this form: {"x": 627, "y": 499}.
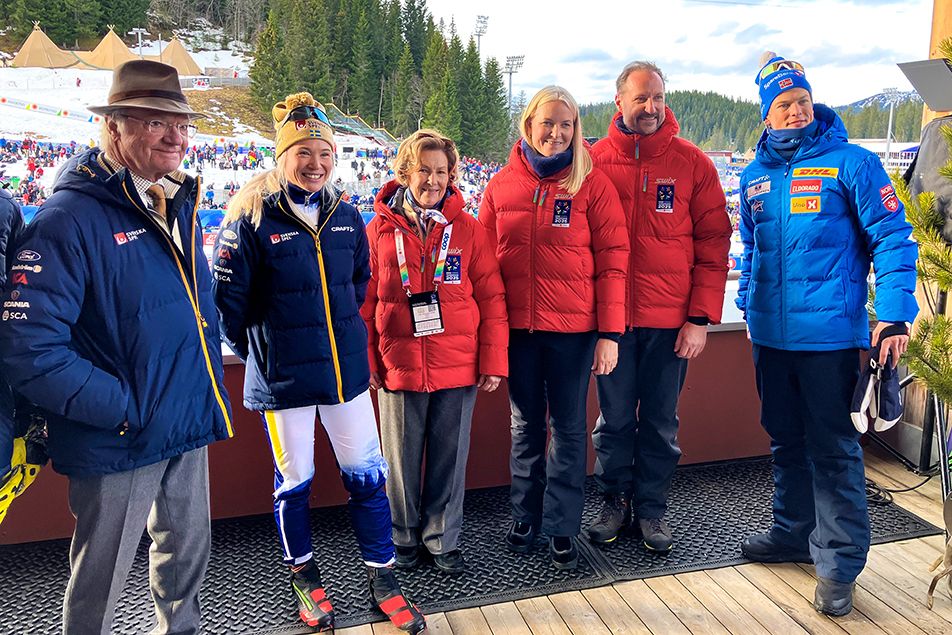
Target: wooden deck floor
{"x": 752, "y": 598}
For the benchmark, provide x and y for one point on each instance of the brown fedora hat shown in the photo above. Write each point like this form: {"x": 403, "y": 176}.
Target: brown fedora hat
{"x": 146, "y": 84}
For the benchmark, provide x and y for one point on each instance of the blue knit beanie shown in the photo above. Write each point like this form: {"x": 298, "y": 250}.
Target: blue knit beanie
{"x": 778, "y": 75}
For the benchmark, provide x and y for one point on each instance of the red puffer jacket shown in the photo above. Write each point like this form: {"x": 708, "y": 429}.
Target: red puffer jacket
{"x": 678, "y": 223}
{"x": 476, "y": 335}
{"x": 563, "y": 258}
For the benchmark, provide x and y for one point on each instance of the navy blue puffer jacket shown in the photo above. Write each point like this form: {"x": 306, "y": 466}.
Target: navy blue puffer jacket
{"x": 108, "y": 330}
{"x": 11, "y": 225}
{"x": 289, "y": 297}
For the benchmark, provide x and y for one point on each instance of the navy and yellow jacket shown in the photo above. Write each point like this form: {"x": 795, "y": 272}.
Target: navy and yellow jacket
{"x": 811, "y": 226}
{"x": 288, "y": 297}
{"x": 106, "y": 325}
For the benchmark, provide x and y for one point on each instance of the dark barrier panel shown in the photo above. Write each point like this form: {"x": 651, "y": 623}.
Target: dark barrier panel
{"x": 719, "y": 420}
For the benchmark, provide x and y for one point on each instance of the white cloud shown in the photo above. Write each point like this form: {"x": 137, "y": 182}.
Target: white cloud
{"x": 850, "y": 48}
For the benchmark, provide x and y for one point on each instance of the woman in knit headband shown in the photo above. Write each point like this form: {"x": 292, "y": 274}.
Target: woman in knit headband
{"x": 291, "y": 269}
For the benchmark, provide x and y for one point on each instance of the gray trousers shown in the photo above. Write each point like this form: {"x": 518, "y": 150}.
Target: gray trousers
{"x": 170, "y": 499}
{"x": 437, "y": 424}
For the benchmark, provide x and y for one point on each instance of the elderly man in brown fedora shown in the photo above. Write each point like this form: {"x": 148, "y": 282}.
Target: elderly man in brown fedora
{"x": 112, "y": 330}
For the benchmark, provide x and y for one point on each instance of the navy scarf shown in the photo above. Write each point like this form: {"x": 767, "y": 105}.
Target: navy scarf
{"x": 785, "y": 142}
{"x": 544, "y": 166}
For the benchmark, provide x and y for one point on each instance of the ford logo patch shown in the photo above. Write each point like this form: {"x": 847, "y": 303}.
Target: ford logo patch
{"x": 28, "y": 255}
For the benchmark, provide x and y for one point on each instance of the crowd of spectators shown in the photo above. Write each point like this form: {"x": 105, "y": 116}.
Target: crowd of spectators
{"x": 227, "y": 157}
{"x": 39, "y": 156}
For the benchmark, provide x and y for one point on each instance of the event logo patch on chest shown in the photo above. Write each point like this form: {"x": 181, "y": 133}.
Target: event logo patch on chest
{"x": 664, "y": 201}
{"x": 562, "y": 212}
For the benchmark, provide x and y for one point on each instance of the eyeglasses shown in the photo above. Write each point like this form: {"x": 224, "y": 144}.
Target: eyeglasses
{"x": 156, "y": 126}
{"x": 780, "y": 65}
{"x": 302, "y": 113}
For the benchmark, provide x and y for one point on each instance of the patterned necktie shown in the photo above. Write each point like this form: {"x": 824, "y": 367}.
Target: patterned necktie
{"x": 157, "y": 193}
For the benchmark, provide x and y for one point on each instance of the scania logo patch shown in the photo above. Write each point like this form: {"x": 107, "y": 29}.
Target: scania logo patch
{"x": 28, "y": 255}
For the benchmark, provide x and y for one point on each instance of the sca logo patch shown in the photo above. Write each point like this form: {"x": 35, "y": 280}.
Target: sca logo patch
{"x": 830, "y": 173}
{"x": 805, "y": 205}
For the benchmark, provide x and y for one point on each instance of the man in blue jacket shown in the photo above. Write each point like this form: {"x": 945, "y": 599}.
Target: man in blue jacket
{"x": 11, "y": 225}
{"x": 113, "y": 332}
{"x": 815, "y": 212}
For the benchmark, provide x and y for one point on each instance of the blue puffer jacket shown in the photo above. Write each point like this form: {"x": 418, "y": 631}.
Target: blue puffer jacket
{"x": 810, "y": 229}
{"x": 11, "y": 225}
{"x": 289, "y": 297}
{"x": 106, "y": 328}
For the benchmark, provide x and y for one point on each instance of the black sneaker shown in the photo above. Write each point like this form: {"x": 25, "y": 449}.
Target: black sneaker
{"x": 656, "y": 534}
{"x": 612, "y": 519}
{"x": 833, "y": 598}
{"x": 765, "y": 548}
{"x": 388, "y": 597}
{"x": 563, "y": 552}
{"x": 450, "y": 562}
{"x": 407, "y": 557}
{"x": 520, "y": 537}
{"x": 314, "y": 608}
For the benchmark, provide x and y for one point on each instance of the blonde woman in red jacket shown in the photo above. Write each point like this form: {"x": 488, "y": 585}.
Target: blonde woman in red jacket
{"x": 436, "y": 314}
{"x": 559, "y": 232}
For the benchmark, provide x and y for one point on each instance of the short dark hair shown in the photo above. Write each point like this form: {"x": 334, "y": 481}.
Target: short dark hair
{"x": 638, "y": 65}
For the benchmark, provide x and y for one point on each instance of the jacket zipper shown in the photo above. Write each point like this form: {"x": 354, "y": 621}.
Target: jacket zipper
{"x": 784, "y": 214}
{"x": 532, "y": 243}
{"x": 316, "y": 235}
{"x": 200, "y": 321}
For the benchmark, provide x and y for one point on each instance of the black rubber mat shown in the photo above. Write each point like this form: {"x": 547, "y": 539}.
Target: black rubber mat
{"x": 711, "y": 509}
{"x": 247, "y": 591}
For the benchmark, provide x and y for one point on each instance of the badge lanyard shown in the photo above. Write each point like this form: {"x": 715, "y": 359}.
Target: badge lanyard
{"x": 425, "y": 312}
{"x": 440, "y": 263}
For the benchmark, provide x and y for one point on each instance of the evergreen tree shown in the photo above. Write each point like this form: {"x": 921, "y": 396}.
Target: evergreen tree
{"x": 442, "y": 109}
{"x": 51, "y": 16}
{"x": 494, "y": 134}
{"x": 269, "y": 73}
{"x": 403, "y": 117}
{"x": 307, "y": 49}
{"x": 127, "y": 14}
{"x": 414, "y": 19}
{"x": 363, "y": 85}
{"x": 434, "y": 64}
{"x": 84, "y": 18}
{"x": 470, "y": 94}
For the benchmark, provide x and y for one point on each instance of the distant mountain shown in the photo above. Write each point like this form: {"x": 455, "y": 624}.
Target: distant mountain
{"x": 881, "y": 100}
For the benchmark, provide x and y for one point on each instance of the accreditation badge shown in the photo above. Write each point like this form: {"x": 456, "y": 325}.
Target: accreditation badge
{"x": 426, "y": 314}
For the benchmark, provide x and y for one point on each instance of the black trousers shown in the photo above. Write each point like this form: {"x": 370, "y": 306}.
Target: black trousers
{"x": 549, "y": 374}
{"x": 636, "y": 436}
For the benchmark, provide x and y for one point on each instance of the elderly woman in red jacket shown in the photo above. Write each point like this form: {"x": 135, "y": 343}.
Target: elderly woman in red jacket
{"x": 436, "y": 314}
{"x": 560, "y": 235}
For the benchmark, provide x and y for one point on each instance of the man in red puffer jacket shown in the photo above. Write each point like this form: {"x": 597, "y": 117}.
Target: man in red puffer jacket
{"x": 680, "y": 239}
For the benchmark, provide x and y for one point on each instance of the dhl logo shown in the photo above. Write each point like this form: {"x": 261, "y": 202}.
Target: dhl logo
{"x": 805, "y": 205}
{"x": 827, "y": 172}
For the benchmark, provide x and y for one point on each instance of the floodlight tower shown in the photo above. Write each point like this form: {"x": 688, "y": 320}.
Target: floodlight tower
{"x": 892, "y": 95}
{"x": 513, "y": 64}
{"x": 139, "y": 32}
{"x": 482, "y": 22}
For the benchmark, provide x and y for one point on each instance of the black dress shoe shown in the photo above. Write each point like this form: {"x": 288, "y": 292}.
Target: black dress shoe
{"x": 833, "y": 598}
{"x": 520, "y": 537}
{"x": 450, "y": 562}
{"x": 407, "y": 557}
{"x": 764, "y": 548}
{"x": 563, "y": 552}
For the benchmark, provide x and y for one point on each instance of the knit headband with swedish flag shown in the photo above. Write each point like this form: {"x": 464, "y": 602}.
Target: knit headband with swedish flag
{"x": 297, "y": 118}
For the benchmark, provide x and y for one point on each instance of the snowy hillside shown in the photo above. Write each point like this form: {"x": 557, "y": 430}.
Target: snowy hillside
{"x": 882, "y": 100}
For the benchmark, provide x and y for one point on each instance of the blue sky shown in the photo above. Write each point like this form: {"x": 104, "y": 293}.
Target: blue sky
{"x": 850, "y": 48}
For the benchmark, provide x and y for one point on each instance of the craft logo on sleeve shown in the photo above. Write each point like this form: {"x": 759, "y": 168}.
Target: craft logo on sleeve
{"x": 830, "y": 173}
{"x": 562, "y": 212}
{"x": 806, "y": 186}
{"x": 805, "y": 205}
{"x": 664, "y": 201}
